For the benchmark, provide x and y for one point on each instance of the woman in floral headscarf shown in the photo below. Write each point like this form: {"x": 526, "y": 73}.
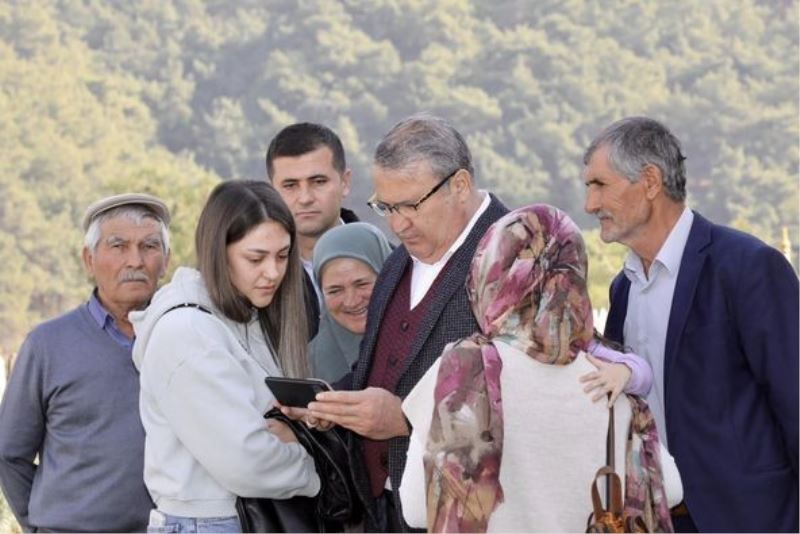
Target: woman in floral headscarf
{"x": 512, "y": 443}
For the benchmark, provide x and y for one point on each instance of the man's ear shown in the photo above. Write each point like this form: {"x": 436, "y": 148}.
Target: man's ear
{"x": 653, "y": 181}
{"x": 88, "y": 261}
{"x": 462, "y": 182}
{"x": 346, "y": 182}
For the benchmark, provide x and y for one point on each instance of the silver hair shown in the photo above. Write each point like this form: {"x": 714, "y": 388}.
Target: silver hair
{"x": 636, "y": 142}
{"x": 134, "y": 213}
{"x": 424, "y": 137}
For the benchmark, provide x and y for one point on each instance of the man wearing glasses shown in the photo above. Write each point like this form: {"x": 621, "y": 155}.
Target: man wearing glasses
{"x": 425, "y": 188}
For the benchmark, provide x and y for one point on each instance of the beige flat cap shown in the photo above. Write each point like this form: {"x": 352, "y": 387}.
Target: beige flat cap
{"x": 148, "y": 201}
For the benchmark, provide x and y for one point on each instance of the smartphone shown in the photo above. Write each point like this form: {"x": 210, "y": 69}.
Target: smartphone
{"x": 296, "y": 392}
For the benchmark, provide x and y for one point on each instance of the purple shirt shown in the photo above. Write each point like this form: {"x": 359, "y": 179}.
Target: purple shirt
{"x": 641, "y": 379}
{"x": 106, "y": 322}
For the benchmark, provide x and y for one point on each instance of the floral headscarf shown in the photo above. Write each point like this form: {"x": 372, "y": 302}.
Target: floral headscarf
{"x": 527, "y": 286}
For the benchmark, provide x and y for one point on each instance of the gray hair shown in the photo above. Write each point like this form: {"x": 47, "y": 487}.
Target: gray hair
{"x": 424, "y": 137}
{"x": 635, "y": 142}
{"x": 134, "y": 213}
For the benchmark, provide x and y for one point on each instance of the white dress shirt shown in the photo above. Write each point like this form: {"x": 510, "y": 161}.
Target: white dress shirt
{"x": 649, "y": 305}
{"x": 423, "y": 274}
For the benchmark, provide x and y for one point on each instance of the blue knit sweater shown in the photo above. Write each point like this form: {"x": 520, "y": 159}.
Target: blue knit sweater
{"x": 73, "y": 399}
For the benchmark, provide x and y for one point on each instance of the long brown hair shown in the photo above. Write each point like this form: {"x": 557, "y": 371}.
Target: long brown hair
{"x": 233, "y": 209}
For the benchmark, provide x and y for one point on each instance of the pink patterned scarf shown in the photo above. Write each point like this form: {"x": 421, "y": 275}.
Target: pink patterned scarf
{"x": 527, "y": 286}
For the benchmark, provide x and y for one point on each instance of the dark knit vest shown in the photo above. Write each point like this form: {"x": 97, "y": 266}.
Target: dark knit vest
{"x": 396, "y": 334}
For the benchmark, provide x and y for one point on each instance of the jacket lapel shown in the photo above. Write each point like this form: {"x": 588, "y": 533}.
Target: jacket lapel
{"x": 384, "y": 289}
{"x": 694, "y": 257}
{"x": 446, "y": 287}
{"x": 454, "y": 279}
{"x": 615, "y": 322}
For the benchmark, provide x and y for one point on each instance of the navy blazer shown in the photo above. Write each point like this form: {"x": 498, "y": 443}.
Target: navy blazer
{"x": 448, "y": 318}
{"x": 730, "y": 380}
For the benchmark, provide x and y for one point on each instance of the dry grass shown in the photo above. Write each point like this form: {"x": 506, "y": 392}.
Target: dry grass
{"x": 7, "y": 521}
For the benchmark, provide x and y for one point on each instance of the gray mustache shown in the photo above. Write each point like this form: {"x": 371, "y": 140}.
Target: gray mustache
{"x": 133, "y": 276}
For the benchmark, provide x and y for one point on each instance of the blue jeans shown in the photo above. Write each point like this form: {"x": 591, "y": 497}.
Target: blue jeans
{"x": 172, "y": 524}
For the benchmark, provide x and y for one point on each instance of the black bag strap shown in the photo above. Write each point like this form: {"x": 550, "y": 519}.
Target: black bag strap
{"x": 187, "y": 305}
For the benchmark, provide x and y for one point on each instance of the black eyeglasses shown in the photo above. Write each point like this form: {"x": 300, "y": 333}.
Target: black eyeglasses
{"x": 406, "y": 209}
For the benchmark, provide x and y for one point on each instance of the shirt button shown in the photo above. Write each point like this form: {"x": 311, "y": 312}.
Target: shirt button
{"x": 404, "y": 326}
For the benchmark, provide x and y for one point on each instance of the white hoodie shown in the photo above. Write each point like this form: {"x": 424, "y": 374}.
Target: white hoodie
{"x": 202, "y": 400}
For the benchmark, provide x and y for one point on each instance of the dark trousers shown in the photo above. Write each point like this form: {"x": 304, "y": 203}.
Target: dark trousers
{"x": 682, "y": 520}
{"x": 389, "y": 516}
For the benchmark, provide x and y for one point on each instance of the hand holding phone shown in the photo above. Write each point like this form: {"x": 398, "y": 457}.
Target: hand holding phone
{"x": 296, "y": 392}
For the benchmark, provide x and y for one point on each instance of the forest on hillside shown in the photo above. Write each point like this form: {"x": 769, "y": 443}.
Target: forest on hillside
{"x": 171, "y": 96}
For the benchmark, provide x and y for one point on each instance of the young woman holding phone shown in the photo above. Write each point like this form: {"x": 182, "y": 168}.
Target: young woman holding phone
{"x": 204, "y": 347}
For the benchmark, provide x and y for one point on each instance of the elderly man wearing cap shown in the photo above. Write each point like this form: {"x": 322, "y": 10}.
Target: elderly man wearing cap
{"x": 73, "y": 395}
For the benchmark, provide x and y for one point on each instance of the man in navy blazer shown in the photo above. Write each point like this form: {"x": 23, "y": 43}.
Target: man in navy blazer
{"x": 715, "y": 311}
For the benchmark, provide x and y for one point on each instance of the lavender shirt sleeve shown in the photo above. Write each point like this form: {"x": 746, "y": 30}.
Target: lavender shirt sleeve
{"x": 641, "y": 374}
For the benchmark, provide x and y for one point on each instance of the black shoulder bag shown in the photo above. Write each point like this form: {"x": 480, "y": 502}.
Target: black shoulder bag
{"x": 336, "y": 503}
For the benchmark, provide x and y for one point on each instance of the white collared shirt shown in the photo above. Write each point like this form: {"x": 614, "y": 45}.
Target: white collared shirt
{"x": 423, "y": 274}
{"x": 649, "y": 305}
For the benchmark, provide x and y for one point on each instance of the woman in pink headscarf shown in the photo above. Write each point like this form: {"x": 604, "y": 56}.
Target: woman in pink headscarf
{"x": 504, "y": 438}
